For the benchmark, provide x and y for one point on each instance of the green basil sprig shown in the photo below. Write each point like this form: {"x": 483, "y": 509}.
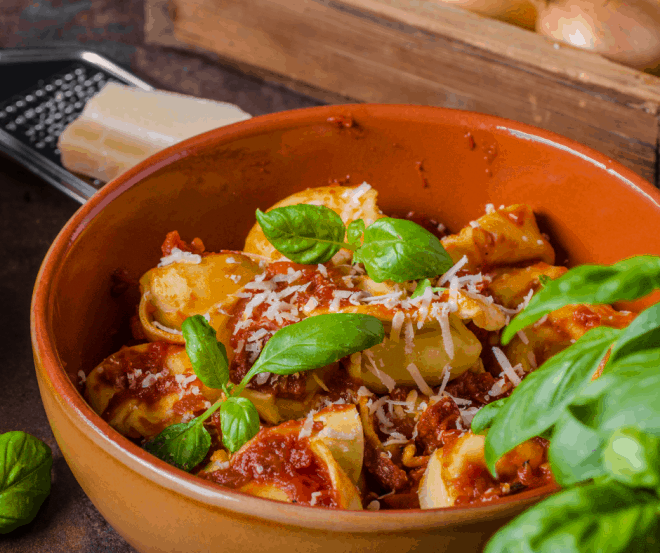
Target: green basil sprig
{"x": 309, "y": 344}
{"x": 207, "y": 356}
{"x": 539, "y": 400}
{"x": 600, "y": 516}
{"x": 629, "y": 279}
{"x": 390, "y": 249}
{"x": 604, "y": 434}
{"x": 239, "y": 420}
{"x": 183, "y": 445}
{"x": 25, "y": 464}
{"x": 632, "y": 457}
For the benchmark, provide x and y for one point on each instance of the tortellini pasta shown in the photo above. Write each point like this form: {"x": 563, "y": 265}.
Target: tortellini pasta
{"x": 387, "y": 427}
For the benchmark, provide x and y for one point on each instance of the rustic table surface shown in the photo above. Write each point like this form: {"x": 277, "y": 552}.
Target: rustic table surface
{"x": 32, "y": 213}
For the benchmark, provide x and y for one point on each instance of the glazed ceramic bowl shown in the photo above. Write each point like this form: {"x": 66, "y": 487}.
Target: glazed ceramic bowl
{"x": 441, "y": 163}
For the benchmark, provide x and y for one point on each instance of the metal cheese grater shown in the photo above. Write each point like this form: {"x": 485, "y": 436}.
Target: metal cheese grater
{"x": 41, "y": 92}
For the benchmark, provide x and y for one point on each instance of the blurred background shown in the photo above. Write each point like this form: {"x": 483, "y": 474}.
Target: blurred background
{"x": 587, "y": 70}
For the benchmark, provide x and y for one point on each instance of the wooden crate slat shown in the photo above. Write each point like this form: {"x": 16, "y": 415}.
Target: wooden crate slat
{"x": 338, "y": 50}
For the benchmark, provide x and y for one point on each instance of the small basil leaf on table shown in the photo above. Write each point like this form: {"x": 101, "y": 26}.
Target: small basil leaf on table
{"x": 575, "y": 451}
{"x": 603, "y": 516}
{"x": 207, "y": 355}
{"x": 484, "y": 418}
{"x": 539, "y": 400}
{"x": 240, "y": 422}
{"x": 400, "y": 250}
{"x": 183, "y": 445}
{"x": 632, "y": 457}
{"x": 316, "y": 342}
{"x": 304, "y": 233}
{"x": 593, "y": 284}
{"x": 354, "y": 232}
{"x": 25, "y": 463}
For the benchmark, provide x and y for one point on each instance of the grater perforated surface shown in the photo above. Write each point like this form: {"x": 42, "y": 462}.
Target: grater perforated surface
{"x": 41, "y": 92}
{"x": 37, "y": 116}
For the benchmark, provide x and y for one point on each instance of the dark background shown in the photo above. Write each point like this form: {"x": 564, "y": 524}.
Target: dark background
{"x": 32, "y": 213}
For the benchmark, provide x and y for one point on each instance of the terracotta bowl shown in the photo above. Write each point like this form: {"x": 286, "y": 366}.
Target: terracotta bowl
{"x": 442, "y": 163}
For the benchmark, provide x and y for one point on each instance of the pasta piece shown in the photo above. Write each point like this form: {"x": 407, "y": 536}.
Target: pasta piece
{"x": 386, "y": 364}
{"x": 510, "y": 285}
{"x": 457, "y": 473}
{"x": 204, "y": 286}
{"x": 537, "y": 343}
{"x": 143, "y": 389}
{"x": 285, "y": 464}
{"x": 504, "y": 237}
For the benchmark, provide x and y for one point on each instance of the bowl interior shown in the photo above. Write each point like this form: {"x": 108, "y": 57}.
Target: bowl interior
{"x": 444, "y": 164}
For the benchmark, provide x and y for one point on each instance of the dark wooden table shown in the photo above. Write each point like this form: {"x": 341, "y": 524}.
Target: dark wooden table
{"x": 32, "y": 213}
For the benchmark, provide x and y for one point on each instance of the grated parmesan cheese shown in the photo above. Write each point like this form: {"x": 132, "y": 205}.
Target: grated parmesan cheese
{"x": 541, "y": 321}
{"x": 386, "y": 379}
{"x": 507, "y": 369}
{"x": 396, "y": 438}
{"x": 166, "y": 328}
{"x": 179, "y": 256}
{"x": 447, "y": 339}
{"x": 397, "y": 323}
{"x": 419, "y": 379}
{"x": 532, "y": 359}
{"x": 262, "y": 378}
{"x": 446, "y": 373}
{"x": 409, "y": 333}
{"x": 363, "y": 391}
{"x": 523, "y": 337}
{"x": 452, "y": 272}
{"x": 308, "y": 426}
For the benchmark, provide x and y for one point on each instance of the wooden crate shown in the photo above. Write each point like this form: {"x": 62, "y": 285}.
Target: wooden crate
{"x": 409, "y": 51}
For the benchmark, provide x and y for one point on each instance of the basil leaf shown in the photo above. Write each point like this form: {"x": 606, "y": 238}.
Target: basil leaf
{"x": 633, "y": 458}
{"x": 183, "y": 445}
{"x": 605, "y": 516}
{"x": 304, "y": 233}
{"x": 627, "y": 396}
{"x": 594, "y": 284}
{"x": 641, "y": 334}
{"x": 422, "y": 286}
{"x": 484, "y": 418}
{"x": 239, "y": 420}
{"x": 539, "y": 400}
{"x": 207, "y": 355}
{"x": 316, "y": 342}
{"x": 25, "y": 463}
{"x": 575, "y": 451}
{"x": 354, "y": 232}
{"x": 400, "y": 250}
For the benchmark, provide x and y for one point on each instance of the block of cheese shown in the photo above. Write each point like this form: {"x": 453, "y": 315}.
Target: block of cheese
{"x": 123, "y": 125}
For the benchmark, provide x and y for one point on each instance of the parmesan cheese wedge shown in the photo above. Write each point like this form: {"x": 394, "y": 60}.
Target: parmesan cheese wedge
{"x": 124, "y": 125}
